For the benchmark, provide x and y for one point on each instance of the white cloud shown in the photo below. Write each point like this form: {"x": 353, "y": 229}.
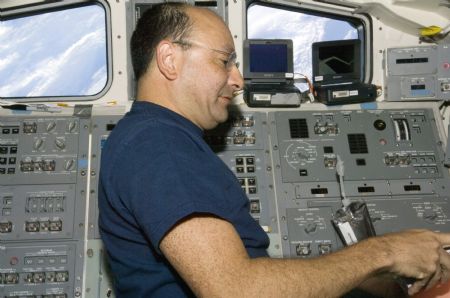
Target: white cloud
{"x": 98, "y": 82}
{"x": 52, "y": 70}
{"x": 351, "y": 34}
{"x": 8, "y": 60}
{"x": 4, "y": 30}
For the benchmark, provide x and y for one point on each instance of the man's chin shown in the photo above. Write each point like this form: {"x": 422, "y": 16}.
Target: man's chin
{"x": 219, "y": 120}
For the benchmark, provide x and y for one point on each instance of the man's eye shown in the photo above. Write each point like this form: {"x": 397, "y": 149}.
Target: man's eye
{"x": 225, "y": 62}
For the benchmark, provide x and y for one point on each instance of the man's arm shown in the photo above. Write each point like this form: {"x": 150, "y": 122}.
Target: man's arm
{"x": 209, "y": 255}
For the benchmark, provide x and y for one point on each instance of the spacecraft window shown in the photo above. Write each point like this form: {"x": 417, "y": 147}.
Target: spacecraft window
{"x": 304, "y": 27}
{"x": 54, "y": 53}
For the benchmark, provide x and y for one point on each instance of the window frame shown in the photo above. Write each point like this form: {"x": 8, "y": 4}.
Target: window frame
{"x": 362, "y": 23}
{"x": 33, "y": 9}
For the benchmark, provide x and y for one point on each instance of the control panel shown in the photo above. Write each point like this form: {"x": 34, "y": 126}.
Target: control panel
{"x": 388, "y": 144}
{"x": 417, "y": 73}
{"x": 393, "y": 161}
{"x": 41, "y": 269}
{"x": 43, "y": 178}
{"x": 285, "y": 161}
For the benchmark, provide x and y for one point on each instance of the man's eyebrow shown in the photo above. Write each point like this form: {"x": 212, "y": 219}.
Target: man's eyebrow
{"x": 229, "y": 48}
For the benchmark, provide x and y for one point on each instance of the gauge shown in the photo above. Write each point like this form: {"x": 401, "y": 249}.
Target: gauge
{"x": 300, "y": 153}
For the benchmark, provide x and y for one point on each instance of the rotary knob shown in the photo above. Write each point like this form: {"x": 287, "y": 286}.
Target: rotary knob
{"x": 69, "y": 165}
{"x": 430, "y": 216}
{"x": 310, "y": 228}
{"x": 60, "y": 144}
{"x": 51, "y": 126}
{"x": 38, "y": 144}
{"x": 72, "y": 127}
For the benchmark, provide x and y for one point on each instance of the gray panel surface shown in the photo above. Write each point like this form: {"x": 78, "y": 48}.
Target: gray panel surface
{"x": 417, "y": 73}
{"x": 393, "y": 160}
{"x": 43, "y": 175}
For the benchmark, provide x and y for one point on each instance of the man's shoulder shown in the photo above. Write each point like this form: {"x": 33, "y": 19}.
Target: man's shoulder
{"x": 138, "y": 127}
{"x": 153, "y": 136}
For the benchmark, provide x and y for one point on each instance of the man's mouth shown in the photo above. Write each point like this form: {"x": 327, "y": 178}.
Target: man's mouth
{"x": 227, "y": 98}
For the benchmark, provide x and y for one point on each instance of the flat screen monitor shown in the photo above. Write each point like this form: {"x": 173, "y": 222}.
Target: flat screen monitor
{"x": 335, "y": 62}
{"x": 268, "y": 58}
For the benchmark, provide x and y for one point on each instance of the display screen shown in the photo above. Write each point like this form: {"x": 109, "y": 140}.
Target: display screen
{"x": 336, "y": 61}
{"x": 268, "y": 58}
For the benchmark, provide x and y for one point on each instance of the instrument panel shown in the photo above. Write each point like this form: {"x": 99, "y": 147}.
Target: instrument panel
{"x": 285, "y": 161}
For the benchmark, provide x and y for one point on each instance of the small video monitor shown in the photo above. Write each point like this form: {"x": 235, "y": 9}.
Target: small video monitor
{"x": 335, "y": 62}
{"x": 268, "y": 58}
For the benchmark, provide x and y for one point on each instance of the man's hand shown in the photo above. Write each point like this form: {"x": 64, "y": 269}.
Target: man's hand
{"x": 418, "y": 254}
{"x": 209, "y": 255}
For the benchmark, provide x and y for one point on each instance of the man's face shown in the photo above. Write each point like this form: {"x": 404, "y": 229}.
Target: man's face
{"x": 208, "y": 81}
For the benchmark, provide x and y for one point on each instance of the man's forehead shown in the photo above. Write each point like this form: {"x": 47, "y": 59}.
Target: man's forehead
{"x": 209, "y": 27}
{"x": 202, "y": 12}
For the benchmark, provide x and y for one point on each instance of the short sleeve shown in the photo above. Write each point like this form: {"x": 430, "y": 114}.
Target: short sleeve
{"x": 171, "y": 180}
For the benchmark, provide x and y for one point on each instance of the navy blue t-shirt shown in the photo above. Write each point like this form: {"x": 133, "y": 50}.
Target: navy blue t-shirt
{"x": 156, "y": 169}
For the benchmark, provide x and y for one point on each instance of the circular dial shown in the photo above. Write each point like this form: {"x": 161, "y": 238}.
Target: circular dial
{"x": 300, "y": 153}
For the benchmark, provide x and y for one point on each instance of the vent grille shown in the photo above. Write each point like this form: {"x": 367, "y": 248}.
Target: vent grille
{"x": 299, "y": 128}
{"x": 357, "y": 143}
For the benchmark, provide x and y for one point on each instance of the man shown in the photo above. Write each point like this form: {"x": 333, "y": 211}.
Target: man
{"x": 173, "y": 217}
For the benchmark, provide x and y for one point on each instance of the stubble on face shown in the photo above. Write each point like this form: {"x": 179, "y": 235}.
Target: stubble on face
{"x": 206, "y": 79}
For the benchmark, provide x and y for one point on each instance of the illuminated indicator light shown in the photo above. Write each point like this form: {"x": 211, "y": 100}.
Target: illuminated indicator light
{"x": 13, "y": 261}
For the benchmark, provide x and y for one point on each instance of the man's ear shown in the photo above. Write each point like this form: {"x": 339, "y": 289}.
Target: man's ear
{"x": 166, "y": 59}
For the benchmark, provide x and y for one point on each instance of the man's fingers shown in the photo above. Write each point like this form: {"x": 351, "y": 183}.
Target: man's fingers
{"x": 441, "y": 274}
{"x": 417, "y": 286}
{"x": 445, "y": 265}
{"x": 445, "y": 276}
{"x": 444, "y": 257}
{"x": 435, "y": 278}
